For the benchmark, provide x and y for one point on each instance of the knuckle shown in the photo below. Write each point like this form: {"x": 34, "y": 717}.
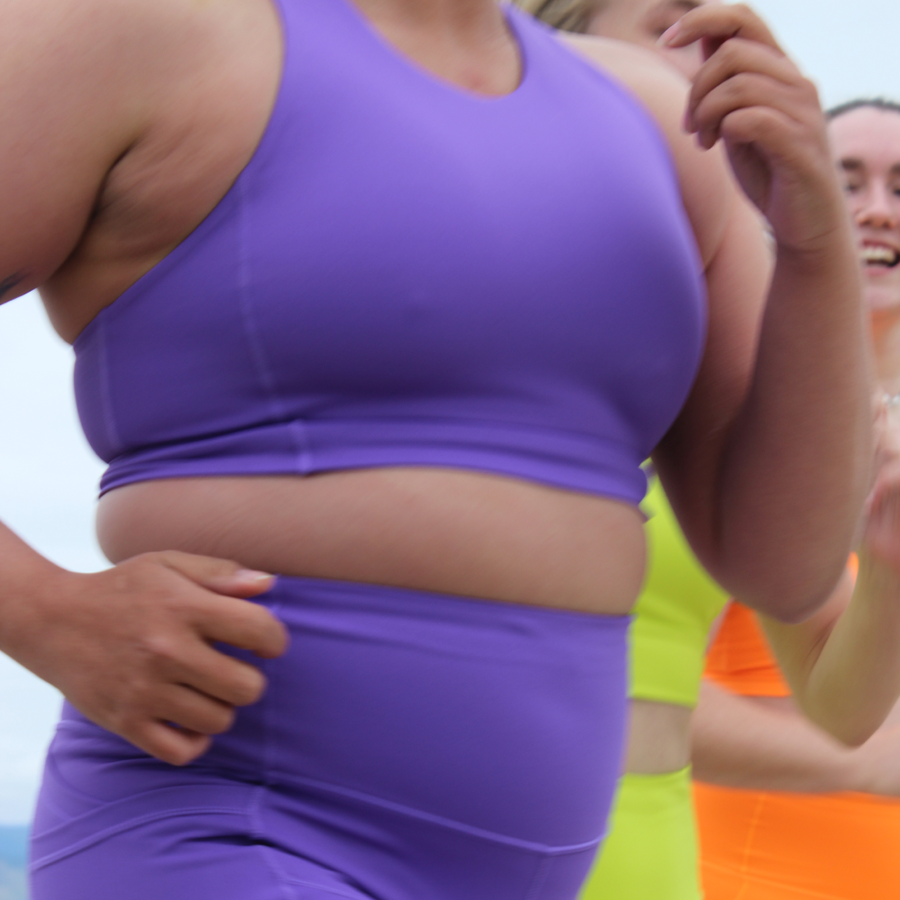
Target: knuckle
{"x": 739, "y": 88}
{"x": 124, "y": 722}
{"x": 731, "y": 54}
{"x": 160, "y": 649}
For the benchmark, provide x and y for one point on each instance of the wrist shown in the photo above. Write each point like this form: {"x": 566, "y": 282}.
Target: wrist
{"x": 26, "y": 602}
{"x": 831, "y": 249}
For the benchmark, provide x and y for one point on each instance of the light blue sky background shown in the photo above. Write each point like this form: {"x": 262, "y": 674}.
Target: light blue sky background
{"x": 50, "y": 475}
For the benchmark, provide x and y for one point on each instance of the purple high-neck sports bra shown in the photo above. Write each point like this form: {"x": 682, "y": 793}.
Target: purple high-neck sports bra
{"x": 408, "y": 274}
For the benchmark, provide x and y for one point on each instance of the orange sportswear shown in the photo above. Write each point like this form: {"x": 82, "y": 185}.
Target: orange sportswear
{"x": 770, "y": 845}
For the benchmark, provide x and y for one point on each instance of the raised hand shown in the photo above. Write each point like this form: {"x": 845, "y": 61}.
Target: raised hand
{"x": 131, "y": 647}
{"x": 882, "y": 530}
{"x": 752, "y": 97}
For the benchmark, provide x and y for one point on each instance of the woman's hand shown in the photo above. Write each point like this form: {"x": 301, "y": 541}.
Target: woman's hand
{"x": 750, "y": 95}
{"x": 881, "y": 539}
{"x": 131, "y": 647}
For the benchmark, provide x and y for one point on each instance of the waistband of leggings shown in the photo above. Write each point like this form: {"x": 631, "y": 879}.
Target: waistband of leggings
{"x": 339, "y": 591}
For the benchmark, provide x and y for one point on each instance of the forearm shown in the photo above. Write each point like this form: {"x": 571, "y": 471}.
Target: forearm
{"x": 23, "y": 575}
{"x": 738, "y": 742}
{"x": 853, "y": 682}
{"x": 795, "y": 468}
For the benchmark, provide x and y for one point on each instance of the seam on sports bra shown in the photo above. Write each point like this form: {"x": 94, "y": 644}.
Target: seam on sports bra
{"x": 109, "y": 420}
{"x": 264, "y": 370}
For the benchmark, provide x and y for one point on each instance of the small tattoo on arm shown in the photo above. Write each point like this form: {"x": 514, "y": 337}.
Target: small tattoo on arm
{"x": 7, "y": 284}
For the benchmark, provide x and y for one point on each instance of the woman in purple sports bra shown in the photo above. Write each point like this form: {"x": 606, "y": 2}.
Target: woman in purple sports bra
{"x": 392, "y": 298}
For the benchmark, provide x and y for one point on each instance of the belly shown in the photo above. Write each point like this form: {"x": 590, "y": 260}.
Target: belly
{"x": 659, "y": 738}
{"x": 426, "y": 529}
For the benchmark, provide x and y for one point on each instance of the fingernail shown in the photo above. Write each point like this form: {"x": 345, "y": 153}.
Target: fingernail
{"x": 252, "y": 575}
{"x": 669, "y": 35}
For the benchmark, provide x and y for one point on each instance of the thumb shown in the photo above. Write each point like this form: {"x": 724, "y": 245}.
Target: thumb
{"x": 223, "y": 576}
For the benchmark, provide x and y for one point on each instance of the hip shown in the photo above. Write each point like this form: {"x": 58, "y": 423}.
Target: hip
{"x": 490, "y": 723}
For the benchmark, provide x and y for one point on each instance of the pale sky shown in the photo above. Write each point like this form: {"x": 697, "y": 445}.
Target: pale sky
{"x": 50, "y": 475}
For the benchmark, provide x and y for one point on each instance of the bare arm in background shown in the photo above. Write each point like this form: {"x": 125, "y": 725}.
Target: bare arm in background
{"x": 754, "y": 744}
{"x": 768, "y": 465}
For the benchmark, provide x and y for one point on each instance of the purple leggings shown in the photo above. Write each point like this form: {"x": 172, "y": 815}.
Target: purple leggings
{"x": 410, "y": 746}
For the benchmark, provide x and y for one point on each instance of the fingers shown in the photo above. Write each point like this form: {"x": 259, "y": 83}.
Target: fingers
{"x": 882, "y": 534}
{"x": 219, "y": 575}
{"x": 744, "y": 76}
{"x": 218, "y": 676}
{"x": 193, "y": 711}
{"x": 176, "y": 746}
{"x": 741, "y": 75}
{"x": 715, "y": 24}
{"x": 241, "y": 624}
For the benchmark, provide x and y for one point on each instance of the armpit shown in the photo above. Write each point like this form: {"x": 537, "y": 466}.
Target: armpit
{"x": 8, "y": 284}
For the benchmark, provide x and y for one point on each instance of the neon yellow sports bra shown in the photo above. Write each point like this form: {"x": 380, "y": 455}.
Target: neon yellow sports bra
{"x": 674, "y": 612}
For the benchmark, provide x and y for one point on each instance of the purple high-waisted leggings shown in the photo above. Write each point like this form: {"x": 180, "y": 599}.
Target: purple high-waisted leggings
{"x": 410, "y": 746}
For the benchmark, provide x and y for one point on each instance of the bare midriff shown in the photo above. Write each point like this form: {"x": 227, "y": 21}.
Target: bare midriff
{"x": 659, "y": 738}
{"x": 446, "y": 531}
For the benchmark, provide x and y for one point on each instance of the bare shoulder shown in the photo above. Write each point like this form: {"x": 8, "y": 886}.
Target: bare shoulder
{"x": 76, "y": 90}
{"x": 707, "y": 186}
{"x": 87, "y": 51}
{"x": 110, "y": 111}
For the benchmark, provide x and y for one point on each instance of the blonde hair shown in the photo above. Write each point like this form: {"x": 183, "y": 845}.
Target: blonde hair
{"x": 566, "y": 15}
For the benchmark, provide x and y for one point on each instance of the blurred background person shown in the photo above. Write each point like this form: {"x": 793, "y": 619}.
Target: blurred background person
{"x": 785, "y": 811}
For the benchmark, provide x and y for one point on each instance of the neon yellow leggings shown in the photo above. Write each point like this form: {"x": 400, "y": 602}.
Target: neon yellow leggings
{"x": 651, "y": 850}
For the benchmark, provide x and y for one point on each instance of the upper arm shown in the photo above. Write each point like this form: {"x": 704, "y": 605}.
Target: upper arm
{"x": 738, "y": 263}
{"x": 689, "y": 456}
{"x": 74, "y": 83}
{"x": 61, "y": 129}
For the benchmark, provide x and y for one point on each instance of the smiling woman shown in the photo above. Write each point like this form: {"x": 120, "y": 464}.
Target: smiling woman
{"x": 867, "y": 134}
{"x": 783, "y": 811}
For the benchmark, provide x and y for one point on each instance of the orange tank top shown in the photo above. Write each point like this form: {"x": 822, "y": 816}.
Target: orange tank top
{"x": 773, "y": 845}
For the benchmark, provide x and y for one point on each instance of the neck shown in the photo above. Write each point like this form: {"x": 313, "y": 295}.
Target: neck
{"x": 886, "y": 340}
{"x": 458, "y": 15}
{"x": 465, "y": 42}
